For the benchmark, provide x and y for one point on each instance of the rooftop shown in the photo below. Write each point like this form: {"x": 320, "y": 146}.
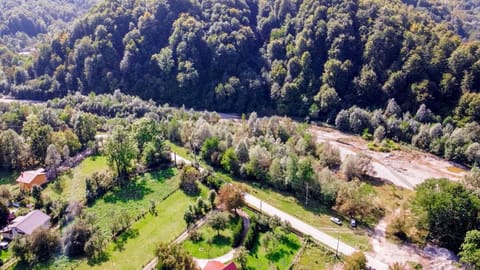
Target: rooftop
{"x": 28, "y": 176}
{"x": 216, "y": 265}
{"x": 30, "y": 222}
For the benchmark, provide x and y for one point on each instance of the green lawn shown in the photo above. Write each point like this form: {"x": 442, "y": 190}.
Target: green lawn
{"x": 278, "y": 255}
{"x": 72, "y": 183}
{"x": 212, "y": 245}
{"x": 136, "y": 248}
{"x": 134, "y": 198}
{"x": 315, "y": 257}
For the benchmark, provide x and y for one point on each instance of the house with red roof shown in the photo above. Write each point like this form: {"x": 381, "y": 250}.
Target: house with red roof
{"x": 28, "y": 179}
{"x": 216, "y": 265}
{"x": 25, "y": 225}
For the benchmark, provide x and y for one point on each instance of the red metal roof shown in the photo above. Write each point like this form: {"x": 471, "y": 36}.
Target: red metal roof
{"x": 214, "y": 265}
{"x": 230, "y": 266}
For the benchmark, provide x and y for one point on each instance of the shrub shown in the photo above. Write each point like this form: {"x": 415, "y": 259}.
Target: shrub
{"x": 196, "y": 236}
{"x": 76, "y": 238}
{"x": 329, "y": 156}
{"x": 356, "y": 261}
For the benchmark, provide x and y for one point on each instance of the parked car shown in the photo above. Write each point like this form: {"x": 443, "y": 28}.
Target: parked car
{"x": 336, "y": 220}
{"x": 353, "y": 223}
{"x": 4, "y": 245}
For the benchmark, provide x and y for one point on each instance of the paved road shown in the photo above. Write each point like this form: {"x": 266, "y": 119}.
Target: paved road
{"x": 307, "y": 229}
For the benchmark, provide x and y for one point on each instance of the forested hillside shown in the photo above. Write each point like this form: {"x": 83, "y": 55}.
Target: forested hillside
{"x": 339, "y": 61}
{"x": 464, "y": 15}
{"x": 21, "y": 22}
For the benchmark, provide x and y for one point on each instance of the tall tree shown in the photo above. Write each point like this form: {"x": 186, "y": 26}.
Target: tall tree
{"x": 85, "y": 127}
{"x": 121, "y": 151}
{"x": 53, "y": 159}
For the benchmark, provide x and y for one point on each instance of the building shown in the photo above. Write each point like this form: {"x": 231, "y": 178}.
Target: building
{"x": 216, "y": 265}
{"x": 25, "y": 225}
{"x": 28, "y": 179}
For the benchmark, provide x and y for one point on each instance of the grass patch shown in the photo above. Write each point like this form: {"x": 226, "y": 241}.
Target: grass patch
{"x": 138, "y": 248}
{"x": 315, "y": 257}
{"x": 385, "y": 146}
{"x": 277, "y": 255}
{"x": 5, "y": 255}
{"x": 71, "y": 186}
{"x": 135, "y": 247}
{"x": 135, "y": 198}
{"x": 392, "y": 197}
{"x": 212, "y": 245}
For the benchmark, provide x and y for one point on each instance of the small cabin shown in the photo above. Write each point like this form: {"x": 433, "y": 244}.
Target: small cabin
{"x": 28, "y": 179}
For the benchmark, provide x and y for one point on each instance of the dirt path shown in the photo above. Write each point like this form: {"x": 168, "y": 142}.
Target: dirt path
{"x": 405, "y": 168}
{"x": 388, "y": 252}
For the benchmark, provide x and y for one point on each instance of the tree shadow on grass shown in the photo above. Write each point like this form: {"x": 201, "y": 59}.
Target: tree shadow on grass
{"x": 133, "y": 191}
{"x": 276, "y": 255}
{"x": 291, "y": 243}
{"x": 163, "y": 175}
{"x": 221, "y": 241}
{"x": 124, "y": 237}
{"x": 101, "y": 258}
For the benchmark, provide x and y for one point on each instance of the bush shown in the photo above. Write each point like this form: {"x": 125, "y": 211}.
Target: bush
{"x": 356, "y": 261}
{"x": 214, "y": 182}
{"x": 329, "y": 156}
{"x": 75, "y": 239}
{"x": 357, "y": 166}
{"x": 196, "y": 236}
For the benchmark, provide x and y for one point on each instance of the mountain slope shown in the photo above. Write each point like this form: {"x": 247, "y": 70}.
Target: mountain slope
{"x": 296, "y": 57}
{"x": 22, "y": 22}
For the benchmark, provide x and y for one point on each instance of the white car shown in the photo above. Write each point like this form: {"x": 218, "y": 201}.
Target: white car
{"x": 336, "y": 220}
{"x": 4, "y": 245}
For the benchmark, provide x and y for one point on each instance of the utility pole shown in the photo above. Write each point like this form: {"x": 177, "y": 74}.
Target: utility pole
{"x": 338, "y": 242}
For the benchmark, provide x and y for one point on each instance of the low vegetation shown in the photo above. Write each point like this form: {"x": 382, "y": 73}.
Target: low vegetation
{"x": 214, "y": 239}
{"x": 316, "y": 257}
{"x": 269, "y": 244}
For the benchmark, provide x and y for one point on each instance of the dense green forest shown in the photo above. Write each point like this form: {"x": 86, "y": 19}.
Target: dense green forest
{"x": 301, "y": 58}
{"x": 22, "y": 23}
{"x": 463, "y": 14}
{"x": 368, "y": 66}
